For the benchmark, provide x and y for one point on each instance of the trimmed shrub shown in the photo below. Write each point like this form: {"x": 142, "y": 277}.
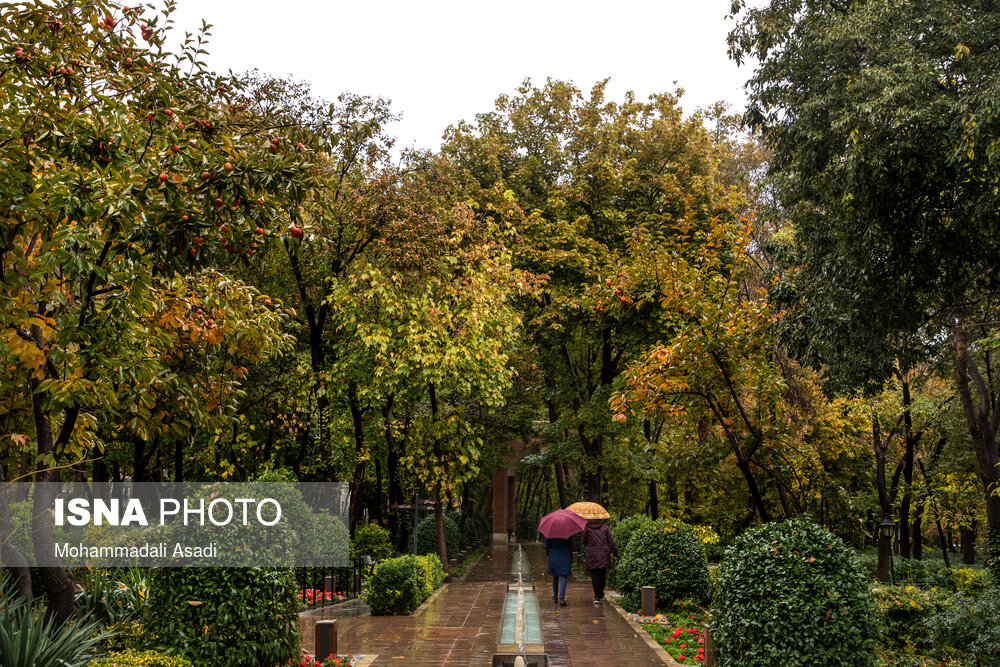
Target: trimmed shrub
{"x": 792, "y": 594}
{"x": 143, "y": 659}
{"x": 625, "y": 528}
{"x": 219, "y": 616}
{"x": 427, "y": 536}
{"x": 665, "y": 554}
{"x": 432, "y": 574}
{"x": 970, "y": 626}
{"x": 903, "y": 612}
{"x": 622, "y": 532}
{"x": 868, "y": 562}
{"x": 399, "y": 585}
{"x": 373, "y": 540}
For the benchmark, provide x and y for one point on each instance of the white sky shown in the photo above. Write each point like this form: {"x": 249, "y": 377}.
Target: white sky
{"x": 440, "y": 61}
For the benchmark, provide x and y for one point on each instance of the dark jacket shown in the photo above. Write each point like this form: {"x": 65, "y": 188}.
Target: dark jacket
{"x": 600, "y": 545}
{"x": 559, "y": 558}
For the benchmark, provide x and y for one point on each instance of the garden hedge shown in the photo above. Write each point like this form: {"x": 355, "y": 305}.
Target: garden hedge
{"x": 622, "y": 532}
{"x": 666, "y": 554}
{"x": 140, "y": 659}
{"x": 223, "y": 617}
{"x": 792, "y": 594}
{"x": 399, "y": 585}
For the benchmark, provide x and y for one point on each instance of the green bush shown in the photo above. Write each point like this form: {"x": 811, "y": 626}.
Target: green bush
{"x": 220, "y": 616}
{"x": 124, "y": 636}
{"x": 972, "y": 581}
{"x": 432, "y": 574}
{"x": 924, "y": 573}
{"x": 970, "y": 626}
{"x": 427, "y": 536}
{"x": 903, "y": 612}
{"x": 791, "y": 594}
{"x": 625, "y": 528}
{"x": 622, "y": 532}
{"x": 373, "y": 540}
{"x": 665, "y": 554}
{"x": 399, "y": 585}
{"x": 868, "y": 563}
{"x": 143, "y": 659}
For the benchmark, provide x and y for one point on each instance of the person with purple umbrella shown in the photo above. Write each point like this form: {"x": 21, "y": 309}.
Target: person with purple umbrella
{"x": 559, "y": 527}
{"x": 560, "y": 565}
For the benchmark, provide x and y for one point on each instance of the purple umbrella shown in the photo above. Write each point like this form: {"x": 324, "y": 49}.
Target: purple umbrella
{"x": 561, "y": 524}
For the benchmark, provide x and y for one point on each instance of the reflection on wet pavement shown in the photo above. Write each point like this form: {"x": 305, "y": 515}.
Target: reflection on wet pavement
{"x": 460, "y": 625}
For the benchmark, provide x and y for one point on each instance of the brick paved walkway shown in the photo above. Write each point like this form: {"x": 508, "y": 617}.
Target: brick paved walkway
{"x": 460, "y": 625}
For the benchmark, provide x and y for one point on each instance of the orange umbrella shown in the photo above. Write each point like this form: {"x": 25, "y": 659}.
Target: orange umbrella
{"x": 589, "y": 510}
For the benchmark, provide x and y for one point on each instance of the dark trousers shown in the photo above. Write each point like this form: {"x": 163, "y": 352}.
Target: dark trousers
{"x": 599, "y": 578}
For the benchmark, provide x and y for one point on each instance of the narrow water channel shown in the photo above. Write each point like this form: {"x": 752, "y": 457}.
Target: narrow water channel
{"x": 520, "y": 633}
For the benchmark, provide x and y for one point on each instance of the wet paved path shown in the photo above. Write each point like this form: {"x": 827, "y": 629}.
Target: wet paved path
{"x": 460, "y": 625}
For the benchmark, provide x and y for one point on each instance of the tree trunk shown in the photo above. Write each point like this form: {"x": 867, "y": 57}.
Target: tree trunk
{"x": 392, "y": 470}
{"x": 654, "y": 503}
{"x": 917, "y": 533}
{"x": 438, "y": 496}
{"x": 944, "y": 545}
{"x": 756, "y": 499}
{"x": 377, "y": 506}
{"x": 55, "y": 578}
{"x": 561, "y": 483}
{"x": 910, "y": 440}
{"x": 594, "y": 486}
{"x": 884, "y": 556}
{"x": 359, "y": 454}
{"x": 442, "y": 546}
{"x": 981, "y": 416}
{"x": 968, "y": 536}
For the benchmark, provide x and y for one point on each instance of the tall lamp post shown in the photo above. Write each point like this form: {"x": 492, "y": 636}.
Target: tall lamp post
{"x": 886, "y": 529}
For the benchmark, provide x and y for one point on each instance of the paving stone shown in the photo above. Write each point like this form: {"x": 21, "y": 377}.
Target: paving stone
{"x": 460, "y": 626}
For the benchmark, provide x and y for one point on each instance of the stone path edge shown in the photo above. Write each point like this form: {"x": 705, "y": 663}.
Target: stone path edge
{"x": 659, "y": 650}
{"x": 426, "y": 603}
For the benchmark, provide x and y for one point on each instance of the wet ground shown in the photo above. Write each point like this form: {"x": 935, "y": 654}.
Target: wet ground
{"x": 459, "y": 626}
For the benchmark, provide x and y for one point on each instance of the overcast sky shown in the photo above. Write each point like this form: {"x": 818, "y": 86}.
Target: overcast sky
{"x": 440, "y": 61}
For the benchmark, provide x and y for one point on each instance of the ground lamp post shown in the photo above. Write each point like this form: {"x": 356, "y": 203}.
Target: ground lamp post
{"x": 886, "y": 529}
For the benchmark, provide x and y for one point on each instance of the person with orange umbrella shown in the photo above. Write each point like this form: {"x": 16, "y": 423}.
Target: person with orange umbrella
{"x": 599, "y": 543}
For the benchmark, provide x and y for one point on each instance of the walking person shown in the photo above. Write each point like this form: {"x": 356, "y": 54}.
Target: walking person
{"x": 600, "y": 546}
{"x": 560, "y": 565}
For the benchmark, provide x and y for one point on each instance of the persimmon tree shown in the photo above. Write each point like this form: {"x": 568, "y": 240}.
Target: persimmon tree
{"x": 124, "y": 166}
